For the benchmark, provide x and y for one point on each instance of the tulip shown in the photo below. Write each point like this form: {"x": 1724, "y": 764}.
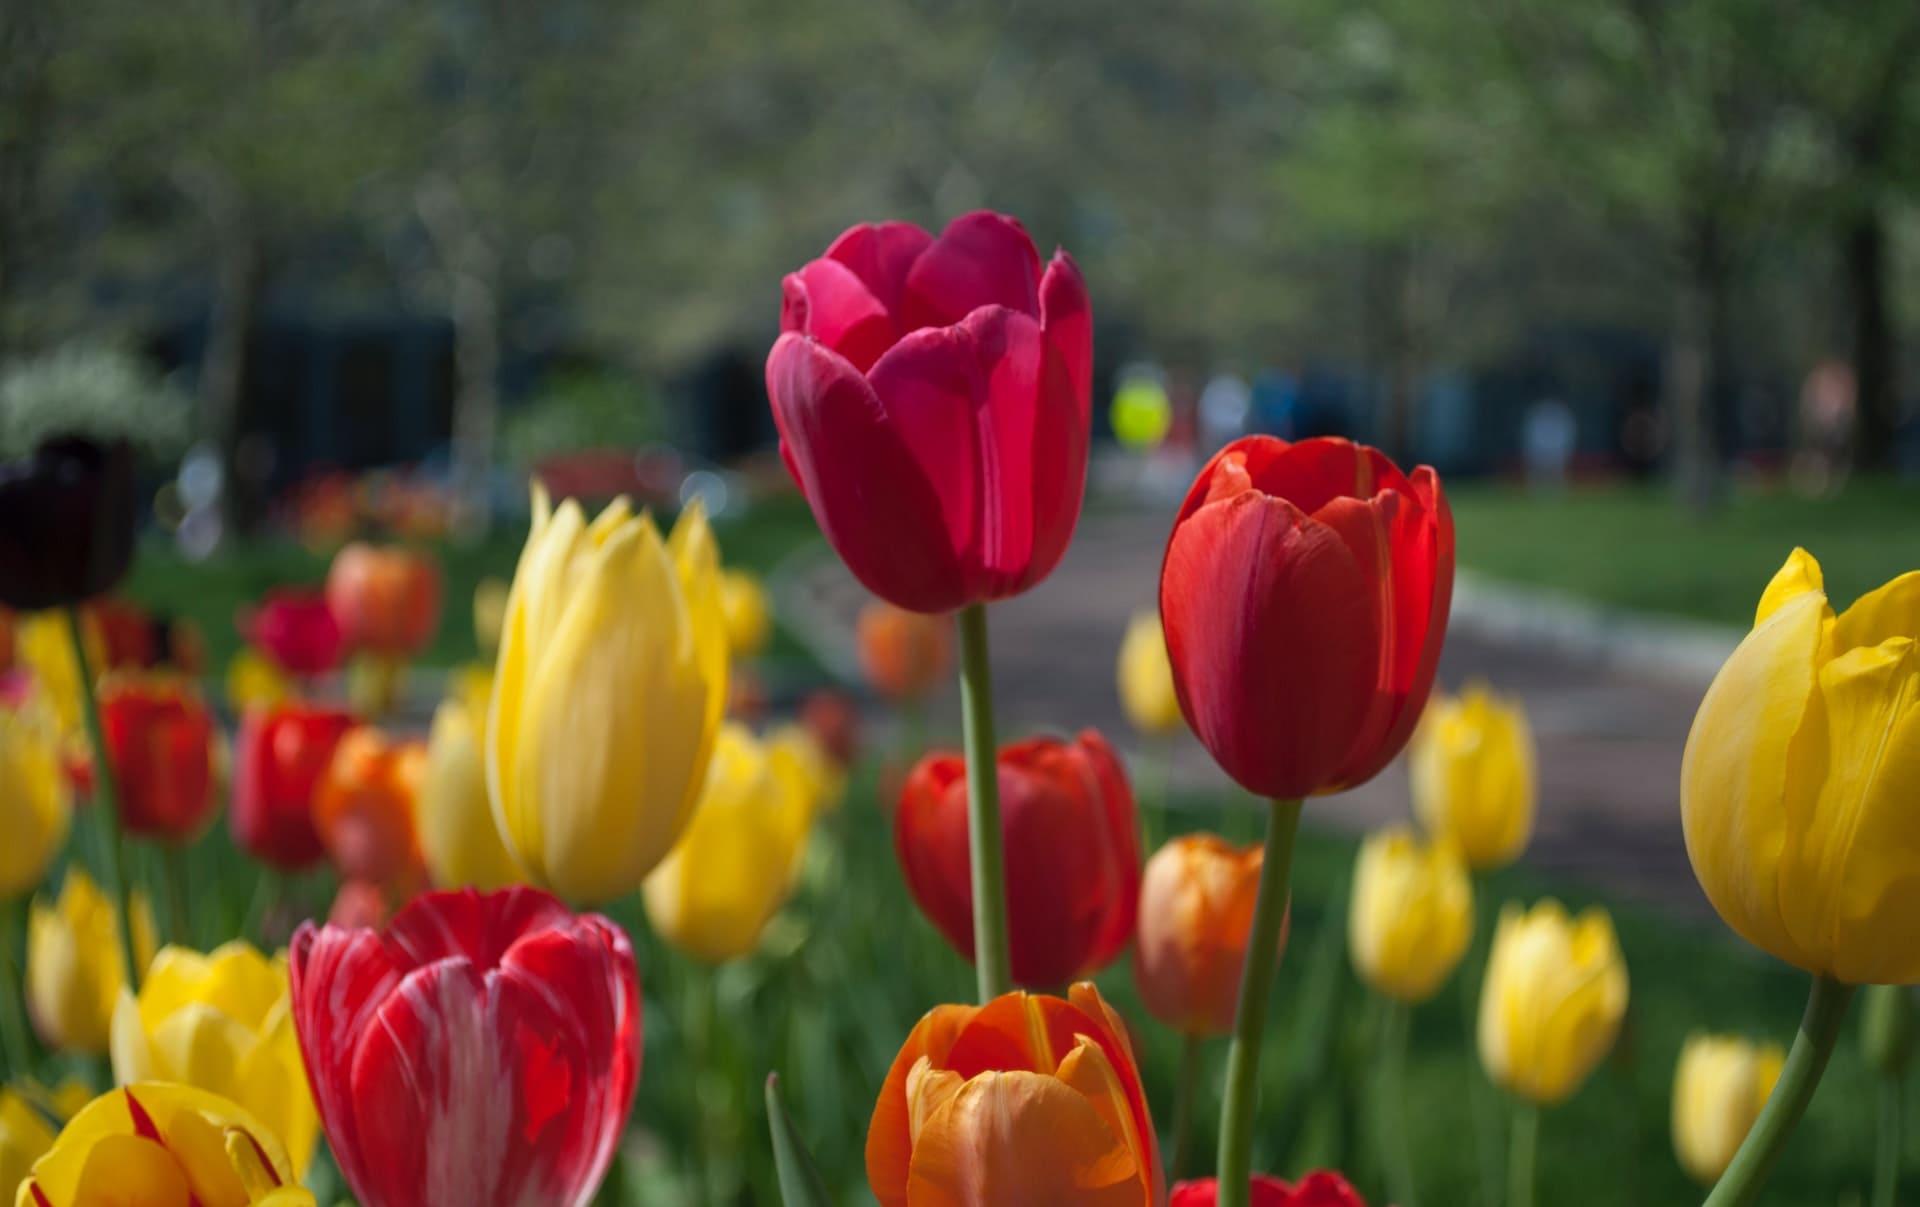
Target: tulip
{"x": 1072, "y": 845}
{"x": 611, "y": 684}
{"x": 35, "y": 803}
{"x": 386, "y": 599}
{"x": 489, "y": 614}
{"x": 254, "y": 683}
{"x": 280, "y": 757}
{"x": 1027, "y": 1099}
{"x": 735, "y": 864}
{"x": 951, "y": 378}
{"x": 1555, "y": 993}
{"x": 66, "y": 523}
{"x": 220, "y": 1022}
{"x": 45, "y": 652}
{"x": 74, "y": 965}
{"x": 1196, "y": 913}
{"x": 1321, "y": 1189}
{"x": 1471, "y": 763}
{"x": 161, "y": 740}
{"x": 1305, "y": 595}
{"x": 743, "y": 600}
{"x": 458, "y": 839}
{"x": 1146, "y": 678}
{"x": 799, "y": 755}
{"x": 296, "y": 628}
{"x": 903, "y": 654}
{"x": 363, "y": 805}
{"x": 24, "y": 1138}
{"x": 7, "y": 622}
{"x": 161, "y": 1145}
{"x": 1411, "y": 914}
{"x": 130, "y": 637}
{"x": 1718, "y": 1089}
{"x": 484, "y": 1048}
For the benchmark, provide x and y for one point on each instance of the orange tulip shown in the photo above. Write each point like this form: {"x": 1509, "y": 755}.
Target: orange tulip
{"x": 363, "y": 806}
{"x": 902, "y": 653}
{"x": 1027, "y": 1099}
{"x": 386, "y": 599}
{"x": 1196, "y": 909}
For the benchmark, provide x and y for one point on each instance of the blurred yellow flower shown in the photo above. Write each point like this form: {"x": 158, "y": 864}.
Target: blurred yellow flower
{"x": 42, "y": 645}
{"x": 161, "y": 1145}
{"x": 25, "y": 1136}
{"x": 1471, "y": 763}
{"x": 35, "y": 802}
{"x": 1719, "y": 1087}
{"x": 458, "y": 836}
{"x": 1146, "y": 678}
{"x": 489, "y": 613}
{"x": 255, "y": 682}
{"x": 1411, "y": 915}
{"x": 735, "y": 865}
{"x": 74, "y": 968}
{"x": 221, "y": 1022}
{"x": 1798, "y": 785}
{"x": 749, "y": 616}
{"x": 1555, "y": 993}
{"x": 611, "y": 684}
{"x": 797, "y": 753}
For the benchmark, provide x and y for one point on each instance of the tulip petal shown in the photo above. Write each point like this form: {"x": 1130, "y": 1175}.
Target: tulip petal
{"x": 479, "y": 927}
{"x": 1018, "y": 1137}
{"x": 1067, "y": 318}
{"x": 890, "y": 1134}
{"x": 827, "y": 301}
{"x": 1892, "y": 610}
{"x": 881, "y": 254}
{"x": 1799, "y": 575}
{"x": 340, "y": 978}
{"x": 980, "y": 259}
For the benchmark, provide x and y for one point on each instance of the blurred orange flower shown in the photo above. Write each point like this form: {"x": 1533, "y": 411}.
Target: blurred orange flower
{"x": 1196, "y": 909}
{"x": 903, "y": 654}
{"x": 363, "y": 806}
{"x": 386, "y": 598}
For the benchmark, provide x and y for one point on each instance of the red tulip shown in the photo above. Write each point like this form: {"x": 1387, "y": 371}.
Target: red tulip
{"x": 1072, "y": 845}
{"x": 160, "y": 740}
{"x": 386, "y": 600}
{"x": 297, "y": 630}
{"x": 279, "y": 760}
{"x": 933, "y": 398}
{"x": 483, "y": 1048}
{"x": 1315, "y": 1190}
{"x": 1305, "y": 595}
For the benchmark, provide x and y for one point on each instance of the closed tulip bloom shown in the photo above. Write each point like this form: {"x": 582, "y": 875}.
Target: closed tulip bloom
{"x": 66, "y": 523}
{"x": 1072, "y": 841}
{"x": 46, "y": 652}
{"x": 1411, "y": 914}
{"x": 386, "y": 599}
{"x": 221, "y": 1022}
{"x": 297, "y": 629}
{"x": 1798, "y": 783}
{"x": 903, "y": 654}
{"x": 934, "y": 398}
{"x": 461, "y": 844}
{"x": 74, "y": 968}
{"x": 1196, "y": 911}
{"x": 1322, "y": 1189}
{"x": 35, "y": 802}
{"x": 1555, "y": 993}
{"x": 280, "y": 757}
{"x": 743, "y": 598}
{"x": 798, "y": 754}
{"x": 162, "y": 742}
{"x": 1305, "y": 594}
{"x": 733, "y": 868}
{"x": 610, "y": 688}
{"x": 160, "y": 1145}
{"x": 1146, "y": 678}
{"x": 482, "y": 1049}
{"x": 1720, "y": 1085}
{"x": 24, "y": 1138}
{"x": 1471, "y": 762}
{"x": 364, "y": 805}
{"x": 1027, "y": 1099}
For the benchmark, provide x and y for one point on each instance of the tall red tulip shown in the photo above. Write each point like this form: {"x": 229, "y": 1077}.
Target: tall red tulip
{"x": 1305, "y": 594}
{"x": 483, "y": 1048}
{"x": 161, "y": 741}
{"x": 385, "y": 598}
{"x": 280, "y": 757}
{"x": 933, "y": 398}
{"x": 1072, "y": 843}
{"x": 297, "y": 629}
{"x": 1321, "y": 1189}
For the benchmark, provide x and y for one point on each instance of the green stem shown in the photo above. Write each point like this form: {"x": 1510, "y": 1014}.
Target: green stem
{"x": 106, "y": 805}
{"x": 179, "y": 902}
{"x": 18, "y": 1048}
{"x": 1522, "y": 1155}
{"x": 1819, "y": 1028}
{"x": 1392, "y": 1115}
{"x": 1484, "y": 1098}
{"x": 1250, "y": 1017}
{"x": 1886, "y": 1159}
{"x": 1183, "y": 1109}
{"x": 992, "y": 960}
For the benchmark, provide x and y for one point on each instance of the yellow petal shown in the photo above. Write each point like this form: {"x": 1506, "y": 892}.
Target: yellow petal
{"x": 1555, "y": 993}
{"x": 35, "y": 804}
{"x": 1411, "y": 914}
{"x": 458, "y": 837}
{"x": 1799, "y": 576}
{"x": 1892, "y": 610}
{"x": 1471, "y": 766}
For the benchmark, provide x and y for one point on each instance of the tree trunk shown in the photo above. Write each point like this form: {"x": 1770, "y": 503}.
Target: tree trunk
{"x": 1696, "y": 368}
{"x": 1864, "y": 253}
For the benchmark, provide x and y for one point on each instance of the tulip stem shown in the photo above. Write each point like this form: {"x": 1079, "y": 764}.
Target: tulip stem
{"x": 106, "y": 804}
{"x": 1250, "y": 1017}
{"x": 173, "y": 856}
{"x": 1183, "y": 1108}
{"x": 992, "y": 958}
{"x": 1886, "y": 1160}
{"x": 1522, "y": 1154}
{"x": 1819, "y": 1029}
{"x": 1392, "y": 1113}
{"x": 13, "y": 975}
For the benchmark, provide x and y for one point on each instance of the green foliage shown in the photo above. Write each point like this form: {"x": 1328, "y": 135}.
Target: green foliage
{"x": 91, "y": 389}
{"x": 583, "y": 409}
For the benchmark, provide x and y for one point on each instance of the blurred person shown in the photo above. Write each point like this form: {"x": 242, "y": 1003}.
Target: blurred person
{"x": 1548, "y": 436}
{"x": 1225, "y": 404}
{"x": 1829, "y": 409}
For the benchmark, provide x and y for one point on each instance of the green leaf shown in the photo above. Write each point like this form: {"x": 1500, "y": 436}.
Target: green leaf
{"x": 800, "y": 1182}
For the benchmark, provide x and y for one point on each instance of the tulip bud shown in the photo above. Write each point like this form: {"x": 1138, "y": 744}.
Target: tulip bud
{"x": 35, "y": 802}
{"x": 66, "y": 523}
{"x": 903, "y": 654}
{"x": 1471, "y": 764}
{"x": 1719, "y": 1087}
{"x": 24, "y": 1138}
{"x": 164, "y": 747}
{"x": 1146, "y": 678}
{"x": 74, "y": 967}
{"x": 749, "y": 616}
{"x": 1555, "y": 994}
{"x": 458, "y": 835}
{"x": 1196, "y": 912}
{"x": 1411, "y": 915}
{"x": 1887, "y": 1029}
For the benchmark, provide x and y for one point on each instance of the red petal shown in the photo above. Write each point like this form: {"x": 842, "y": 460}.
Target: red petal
{"x": 1123, "y": 826}
{"x": 477, "y": 926}
{"x": 1067, "y": 317}
{"x": 339, "y": 980}
{"x": 980, "y": 259}
{"x": 881, "y": 255}
{"x": 930, "y": 838}
{"x": 1321, "y": 1189}
{"x": 1268, "y": 1191}
{"x": 829, "y": 302}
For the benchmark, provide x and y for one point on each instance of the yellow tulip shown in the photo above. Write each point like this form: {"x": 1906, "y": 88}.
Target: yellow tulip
{"x": 749, "y": 616}
{"x": 35, "y": 803}
{"x": 1555, "y": 993}
{"x": 1411, "y": 915}
{"x": 44, "y": 647}
{"x": 458, "y": 837}
{"x": 1798, "y": 785}
{"x": 1471, "y": 762}
{"x": 489, "y": 614}
{"x": 1719, "y": 1087}
{"x": 162, "y": 1145}
{"x": 803, "y": 758}
{"x": 1146, "y": 678}
{"x": 25, "y": 1136}
{"x": 735, "y": 865}
{"x": 611, "y": 684}
{"x": 221, "y": 1022}
{"x": 74, "y": 967}
{"x": 254, "y": 682}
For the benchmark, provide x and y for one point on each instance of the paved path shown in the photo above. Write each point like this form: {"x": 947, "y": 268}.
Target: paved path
{"x": 1610, "y": 735}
